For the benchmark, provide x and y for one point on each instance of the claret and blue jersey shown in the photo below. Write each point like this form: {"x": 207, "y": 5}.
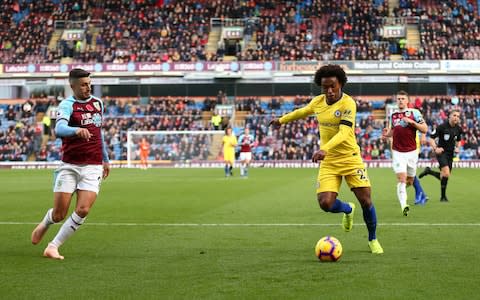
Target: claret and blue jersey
{"x": 71, "y": 115}
{"x": 404, "y": 136}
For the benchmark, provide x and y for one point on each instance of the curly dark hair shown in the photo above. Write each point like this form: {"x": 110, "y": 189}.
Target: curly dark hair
{"x": 330, "y": 71}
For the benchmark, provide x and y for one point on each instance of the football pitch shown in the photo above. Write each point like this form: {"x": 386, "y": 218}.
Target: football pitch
{"x": 191, "y": 233}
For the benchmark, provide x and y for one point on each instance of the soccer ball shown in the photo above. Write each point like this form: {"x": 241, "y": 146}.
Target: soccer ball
{"x": 328, "y": 248}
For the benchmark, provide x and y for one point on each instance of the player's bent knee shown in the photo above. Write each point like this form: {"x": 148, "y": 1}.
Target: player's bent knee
{"x": 324, "y": 203}
{"x": 58, "y": 216}
{"x": 82, "y": 211}
{"x": 324, "y": 206}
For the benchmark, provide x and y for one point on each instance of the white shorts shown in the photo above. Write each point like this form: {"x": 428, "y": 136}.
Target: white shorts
{"x": 405, "y": 162}
{"x": 245, "y": 156}
{"x": 68, "y": 178}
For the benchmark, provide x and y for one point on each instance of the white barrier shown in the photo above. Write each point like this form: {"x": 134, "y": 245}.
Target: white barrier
{"x": 219, "y": 164}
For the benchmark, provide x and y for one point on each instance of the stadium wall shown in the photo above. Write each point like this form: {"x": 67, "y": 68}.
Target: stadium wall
{"x": 219, "y": 164}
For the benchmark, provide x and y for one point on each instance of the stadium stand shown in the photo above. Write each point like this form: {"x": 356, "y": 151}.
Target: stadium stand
{"x": 159, "y": 31}
{"x": 117, "y": 31}
{"x": 24, "y": 136}
{"x": 448, "y": 29}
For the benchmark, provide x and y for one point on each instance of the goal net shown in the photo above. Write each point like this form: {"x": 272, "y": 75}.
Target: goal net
{"x": 168, "y": 148}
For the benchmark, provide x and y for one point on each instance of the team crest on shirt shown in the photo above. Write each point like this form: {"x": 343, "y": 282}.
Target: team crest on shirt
{"x": 97, "y": 105}
{"x": 446, "y": 136}
{"x": 337, "y": 113}
{"x": 408, "y": 113}
{"x": 97, "y": 119}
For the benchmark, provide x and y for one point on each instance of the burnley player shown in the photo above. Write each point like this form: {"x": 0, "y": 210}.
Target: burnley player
{"x": 404, "y": 124}
{"x": 246, "y": 144}
{"x": 339, "y": 152}
{"x": 84, "y": 162}
{"x": 448, "y": 136}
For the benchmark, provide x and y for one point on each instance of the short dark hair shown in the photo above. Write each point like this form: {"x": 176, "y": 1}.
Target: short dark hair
{"x": 402, "y": 92}
{"x": 77, "y": 73}
{"x": 330, "y": 71}
{"x": 453, "y": 111}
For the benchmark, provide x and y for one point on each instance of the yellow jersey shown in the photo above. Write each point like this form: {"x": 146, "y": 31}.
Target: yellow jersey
{"x": 229, "y": 143}
{"x": 338, "y": 141}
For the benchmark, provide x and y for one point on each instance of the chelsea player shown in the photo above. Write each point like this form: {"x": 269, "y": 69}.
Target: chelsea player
{"x": 339, "y": 154}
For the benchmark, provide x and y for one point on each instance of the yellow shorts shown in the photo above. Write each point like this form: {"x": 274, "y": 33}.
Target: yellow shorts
{"x": 331, "y": 173}
{"x": 229, "y": 156}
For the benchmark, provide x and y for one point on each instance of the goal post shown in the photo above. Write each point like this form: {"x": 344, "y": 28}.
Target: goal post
{"x": 167, "y": 147}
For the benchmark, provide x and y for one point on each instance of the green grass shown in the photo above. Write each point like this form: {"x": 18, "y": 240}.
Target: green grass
{"x": 117, "y": 261}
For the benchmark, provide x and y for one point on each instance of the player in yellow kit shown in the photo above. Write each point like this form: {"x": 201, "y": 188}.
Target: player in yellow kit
{"x": 339, "y": 154}
{"x": 229, "y": 143}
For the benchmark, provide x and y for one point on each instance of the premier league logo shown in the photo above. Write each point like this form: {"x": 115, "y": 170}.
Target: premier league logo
{"x": 446, "y": 136}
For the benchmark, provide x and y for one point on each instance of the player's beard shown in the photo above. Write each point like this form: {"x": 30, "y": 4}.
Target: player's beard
{"x": 84, "y": 95}
{"x": 333, "y": 97}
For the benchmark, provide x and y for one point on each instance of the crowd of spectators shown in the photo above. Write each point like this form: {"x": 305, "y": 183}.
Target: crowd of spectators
{"x": 23, "y": 136}
{"x": 448, "y": 29}
{"x": 157, "y": 31}
{"x": 20, "y": 136}
{"x": 355, "y": 30}
{"x": 25, "y": 30}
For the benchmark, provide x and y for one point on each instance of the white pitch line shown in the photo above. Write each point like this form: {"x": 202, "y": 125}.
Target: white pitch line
{"x": 256, "y": 224}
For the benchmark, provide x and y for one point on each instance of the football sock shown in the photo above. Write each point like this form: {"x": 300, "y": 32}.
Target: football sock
{"x": 402, "y": 193}
{"x": 226, "y": 170}
{"x": 48, "y": 220}
{"x": 230, "y": 170}
{"x": 443, "y": 185}
{"x": 67, "y": 229}
{"x": 339, "y": 206}
{"x": 370, "y": 218}
{"x": 418, "y": 187}
{"x": 436, "y": 174}
{"x": 242, "y": 169}
{"x": 245, "y": 171}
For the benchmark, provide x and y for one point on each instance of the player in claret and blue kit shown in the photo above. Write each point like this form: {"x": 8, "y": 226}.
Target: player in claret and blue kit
{"x": 246, "y": 141}
{"x": 84, "y": 163}
{"x": 404, "y": 124}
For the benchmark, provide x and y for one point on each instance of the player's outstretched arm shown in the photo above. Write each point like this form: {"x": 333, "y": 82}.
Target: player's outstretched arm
{"x": 275, "y": 123}
{"x": 297, "y": 114}
{"x": 63, "y": 130}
